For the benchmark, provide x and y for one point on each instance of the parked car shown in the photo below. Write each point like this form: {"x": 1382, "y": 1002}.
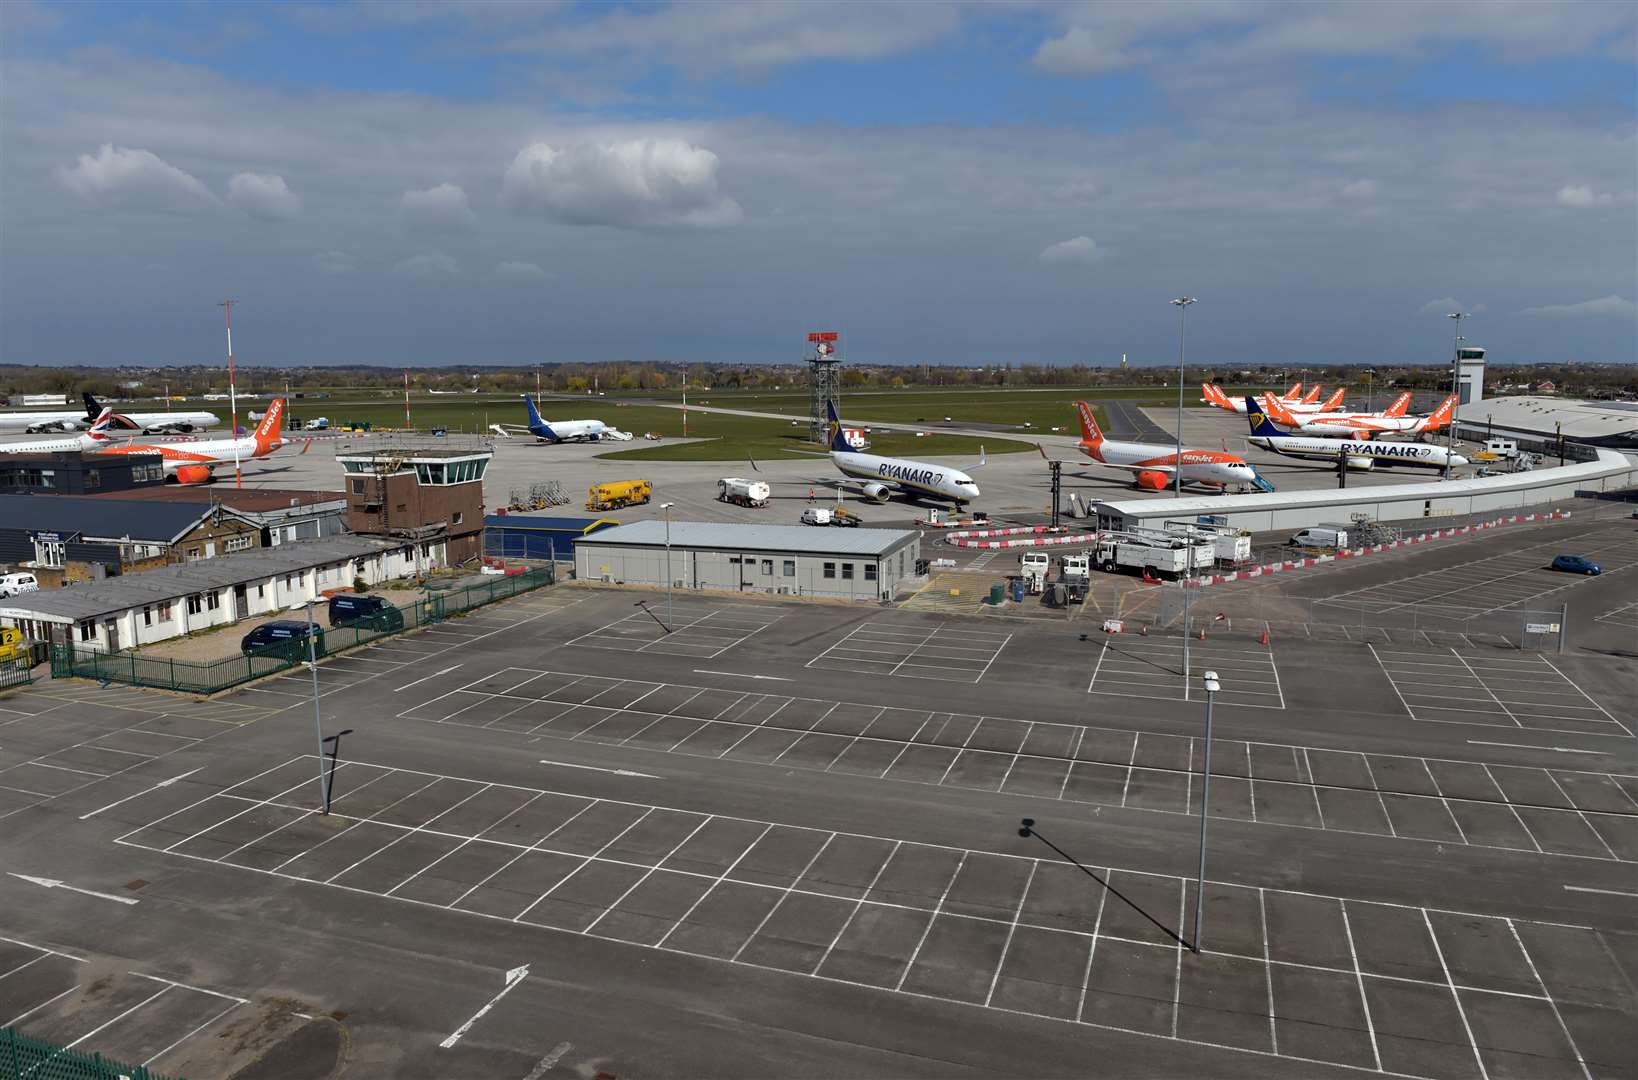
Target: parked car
{"x": 1576, "y": 564}
{"x": 367, "y": 612}
{"x": 14, "y": 584}
{"x": 283, "y": 638}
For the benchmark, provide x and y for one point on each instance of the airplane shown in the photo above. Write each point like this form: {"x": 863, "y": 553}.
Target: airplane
{"x": 194, "y": 462}
{"x": 1358, "y": 455}
{"x": 158, "y": 423}
{"x": 1362, "y": 425}
{"x": 1214, "y": 396}
{"x": 1154, "y": 465}
{"x": 878, "y": 478}
{"x": 87, "y": 440}
{"x": 560, "y": 431}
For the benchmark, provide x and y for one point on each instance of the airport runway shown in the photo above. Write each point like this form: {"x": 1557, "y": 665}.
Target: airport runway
{"x": 783, "y": 840}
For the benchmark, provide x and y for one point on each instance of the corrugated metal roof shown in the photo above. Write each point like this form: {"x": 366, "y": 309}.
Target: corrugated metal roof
{"x": 1544, "y": 416}
{"x": 94, "y": 598}
{"x": 796, "y": 539}
{"x": 138, "y": 519}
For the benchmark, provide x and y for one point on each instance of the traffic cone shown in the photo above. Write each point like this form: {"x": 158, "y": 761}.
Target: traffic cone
{"x": 1264, "y": 639}
{"x": 1202, "y": 633}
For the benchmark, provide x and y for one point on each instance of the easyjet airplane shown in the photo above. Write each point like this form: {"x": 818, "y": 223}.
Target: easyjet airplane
{"x": 1391, "y": 420}
{"x": 1154, "y": 465}
{"x": 1214, "y": 396}
{"x": 193, "y": 462}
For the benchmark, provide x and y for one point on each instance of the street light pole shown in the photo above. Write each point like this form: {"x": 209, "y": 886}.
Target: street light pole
{"x": 666, "y": 507}
{"x": 318, "y": 724}
{"x": 1212, "y": 686}
{"x": 1455, "y": 374}
{"x": 1182, "y": 303}
{"x": 1370, "y": 391}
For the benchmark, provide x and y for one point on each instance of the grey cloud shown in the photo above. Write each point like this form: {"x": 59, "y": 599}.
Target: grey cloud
{"x": 518, "y": 271}
{"x": 264, "y": 196}
{"x": 1079, "y": 249}
{"x": 1604, "y": 307}
{"x": 444, "y": 206}
{"x": 427, "y": 266}
{"x": 629, "y": 183}
{"x": 334, "y": 263}
{"x": 1581, "y": 197}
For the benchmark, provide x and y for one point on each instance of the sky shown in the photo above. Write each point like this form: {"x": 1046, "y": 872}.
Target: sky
{"x": 942, "y": 182}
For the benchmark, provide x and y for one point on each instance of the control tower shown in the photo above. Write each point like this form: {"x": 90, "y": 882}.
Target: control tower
{"x": 824, "y": 382}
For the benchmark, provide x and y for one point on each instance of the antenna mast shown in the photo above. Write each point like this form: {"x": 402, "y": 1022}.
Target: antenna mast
{"x": 233, "y": 393}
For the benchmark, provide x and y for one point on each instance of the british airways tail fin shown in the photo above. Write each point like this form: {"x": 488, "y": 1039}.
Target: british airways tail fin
{"x": 537, "y": 426}
{"x": 1260, "y": 423}
{"x": 838, "y": 441}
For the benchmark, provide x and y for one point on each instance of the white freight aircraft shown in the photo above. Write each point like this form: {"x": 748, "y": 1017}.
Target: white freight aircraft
{"x": 561, "y": 431}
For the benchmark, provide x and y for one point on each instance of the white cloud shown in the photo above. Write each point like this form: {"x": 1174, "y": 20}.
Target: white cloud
{"x": 1082, "y": 52}
{"x": 263, "y": 195}
{"x": 442, "y": 207}
{"x": 1604, "y": 307}
{"x": 1581, "y": 197}
{"x": 1447, "y": 305}
{"x": 1080, "y": 249}
{"x": 1359, "y": 189}
{"x": 518, "y": 271}
{"x": 334, "y": 263}
{"x": 630, "y": 183}
{"x": 427, "y": 266}
{"x": 134, "y": 178}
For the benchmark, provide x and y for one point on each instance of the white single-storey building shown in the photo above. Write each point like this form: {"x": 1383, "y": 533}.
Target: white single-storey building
{"x": 139, "y": 609}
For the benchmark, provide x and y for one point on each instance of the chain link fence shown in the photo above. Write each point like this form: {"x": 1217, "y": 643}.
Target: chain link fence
{"x": 214, "y": 676}
{"x": 25, "y": 1058}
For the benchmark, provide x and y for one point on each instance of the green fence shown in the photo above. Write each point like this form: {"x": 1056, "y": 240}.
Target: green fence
{"x": 23, "y": 1058}
{"x": 213, "y": 676}
{"x": 16, "y": 673}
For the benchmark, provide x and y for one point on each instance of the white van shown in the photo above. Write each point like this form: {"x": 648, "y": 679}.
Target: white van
{"x": 817, "y": 515}
{"x": 1321, "y": 537}
{"x": 12, "y": 584}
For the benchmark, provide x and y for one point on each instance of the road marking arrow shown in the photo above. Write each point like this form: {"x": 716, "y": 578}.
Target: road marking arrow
{"x": 513, "y": 977}
{"x": 595, "y": 768}
{"x": 128, "y": 798}
{"x": 52, "y": 883}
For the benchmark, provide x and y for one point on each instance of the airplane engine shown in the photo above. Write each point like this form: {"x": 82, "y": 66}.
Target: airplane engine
{"x": 193, "y": 474}
{"x": 876, "y": 493}
{"x": 1364, "y": 463}
{"x": 1149, "y": 480}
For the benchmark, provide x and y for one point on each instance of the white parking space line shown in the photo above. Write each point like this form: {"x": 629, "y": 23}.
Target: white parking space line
{"x": 1522, "y": 691}
{"x": 936, "y": 898}
{"x": 702, "y": 633}
{"x": 1155, "y": 669}
{"x": 944, "y": 653}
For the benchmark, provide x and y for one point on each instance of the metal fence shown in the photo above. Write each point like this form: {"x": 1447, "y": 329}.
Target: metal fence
{"x": 25, "y": 1058}
{"x": 214, "y": 676}
{"x": 18, "y": 672}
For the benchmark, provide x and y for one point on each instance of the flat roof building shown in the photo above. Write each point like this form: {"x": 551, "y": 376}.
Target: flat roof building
{"x": 851, "y": 564}
{"x": 1611, "y": 424}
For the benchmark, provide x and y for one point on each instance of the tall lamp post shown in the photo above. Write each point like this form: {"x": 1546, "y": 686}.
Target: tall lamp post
{"x": 1212, "y": 686}
{"x": 666, "y": 507}
{"x": 1370, "y": 391}
{"x": 318, "y": 724}
{"x": 1182, "y": 303}
{"x": 1455, "y": 374}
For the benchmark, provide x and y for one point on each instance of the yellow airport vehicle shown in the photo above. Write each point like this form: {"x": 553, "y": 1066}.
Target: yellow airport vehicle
{"x": 618, "y": 493}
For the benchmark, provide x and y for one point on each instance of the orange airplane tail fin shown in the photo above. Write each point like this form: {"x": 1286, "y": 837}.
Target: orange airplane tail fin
{"x": 1334, "y": 401}
{"x": 1400, "y": 404}
{"x": 1090, "y": 435}
{"x": 267, "y": 432}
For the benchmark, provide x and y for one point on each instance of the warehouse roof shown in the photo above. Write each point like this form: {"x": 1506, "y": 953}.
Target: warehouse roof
{"x": 793, "y": 539}
{"x": 245, "y": 500}
{"x": 1608, "y": 423}
{"x": 106, "y": 519}
{"x": 94, "y": 598}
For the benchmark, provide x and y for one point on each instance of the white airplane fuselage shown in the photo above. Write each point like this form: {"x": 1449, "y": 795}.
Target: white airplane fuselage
{"x": 903, "y": 474}
{"x": 1409, "y": 454}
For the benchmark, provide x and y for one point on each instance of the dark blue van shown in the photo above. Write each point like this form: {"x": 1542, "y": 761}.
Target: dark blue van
{"x": 367, "y": 612}
{"x": 283, "y": 638}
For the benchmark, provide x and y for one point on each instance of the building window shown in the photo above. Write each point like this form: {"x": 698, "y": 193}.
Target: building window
{"x": 847, "y": 571}
{"x": 870, "y": 571}
{"x": 790, "y": 567}
{"x": 261, "y": 592}
{"x": 194, "y": 554}
{"x": 456, "y": 519}
{"x": 767, "y": 567}
{"x": 830, "y": 570}
{"x": 289, "y": 581}
{"x": 147, "y": 615}
{"x": 88, "y": 629}
{"x": 164, "y": 611}
{"x": 48, "y": 553}
{"x": 213, "y": 600}
{"x": 195, "y": 603}
{"x": 238, "y": 543}
{"x": 358, "y": 485}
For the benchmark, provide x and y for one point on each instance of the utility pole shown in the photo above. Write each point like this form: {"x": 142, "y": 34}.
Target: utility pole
{"x": 233, "y": 394}
{"x": 1182, "y": 303}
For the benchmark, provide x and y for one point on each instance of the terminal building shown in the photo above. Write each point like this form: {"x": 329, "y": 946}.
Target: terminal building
{"x": 789, "y": 560}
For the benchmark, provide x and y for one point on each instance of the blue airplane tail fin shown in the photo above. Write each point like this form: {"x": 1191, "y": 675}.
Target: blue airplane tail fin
{"x": 838, "y": 441}
{"x": 1260, "y": 423}
{"x": 536, "y": 424}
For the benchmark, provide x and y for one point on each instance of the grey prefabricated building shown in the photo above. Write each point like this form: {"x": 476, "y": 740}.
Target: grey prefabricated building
{"x": 853, "y": 564}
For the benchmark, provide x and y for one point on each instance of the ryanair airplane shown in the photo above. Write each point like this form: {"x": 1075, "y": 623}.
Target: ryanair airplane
{"x": 1359, "y": 454}
{"x": 879, "y": 477}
